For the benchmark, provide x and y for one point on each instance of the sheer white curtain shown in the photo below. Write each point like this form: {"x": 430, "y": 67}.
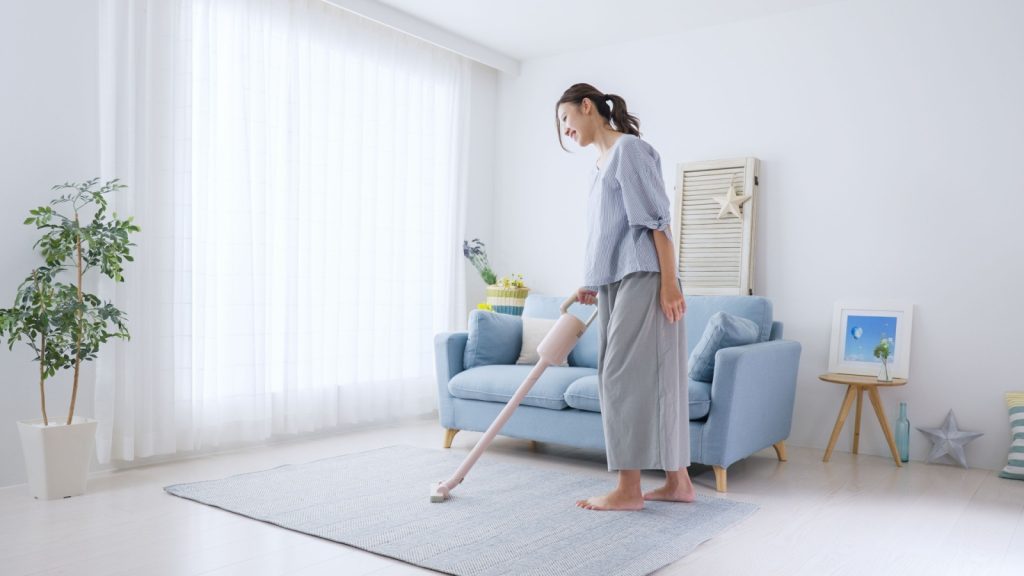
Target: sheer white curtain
{"x": 313, "y": 226}
{"x": 145, "y": 95}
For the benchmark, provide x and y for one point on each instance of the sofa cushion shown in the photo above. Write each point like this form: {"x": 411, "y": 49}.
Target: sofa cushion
{"x": 499, "y": 383}
{"x": 585, "y": 352}
{"x": 582, "y": 395}
{"x": 493, "y": 339}
{"x": 723, "y": 330}
{"x": 699, "y": 310}
{"x": 534, "y": 331}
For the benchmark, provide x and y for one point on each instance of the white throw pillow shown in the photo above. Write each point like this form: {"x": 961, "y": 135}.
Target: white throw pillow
{"x": 534, "y": 331}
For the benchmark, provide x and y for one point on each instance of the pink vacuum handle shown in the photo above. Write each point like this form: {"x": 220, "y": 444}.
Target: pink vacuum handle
{"x": 556, "y": 345}
{"x": 568, "y": 302}
{"x": 495, "y": 427}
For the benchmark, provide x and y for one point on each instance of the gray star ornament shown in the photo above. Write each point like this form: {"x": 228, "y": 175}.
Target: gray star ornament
{"x": 949, "y": 439}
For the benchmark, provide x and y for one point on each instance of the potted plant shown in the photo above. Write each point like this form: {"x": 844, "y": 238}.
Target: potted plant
{"x": 882, "y": 352}
{"x": 506, "y": 295}
{"x": 65, "y": 326}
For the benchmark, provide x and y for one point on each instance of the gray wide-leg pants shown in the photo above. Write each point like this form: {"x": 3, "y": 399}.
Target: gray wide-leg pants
{"x": 642, "y": 375}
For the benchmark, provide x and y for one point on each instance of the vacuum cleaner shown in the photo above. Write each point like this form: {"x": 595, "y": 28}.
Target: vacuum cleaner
{"x": 553, "y": 350}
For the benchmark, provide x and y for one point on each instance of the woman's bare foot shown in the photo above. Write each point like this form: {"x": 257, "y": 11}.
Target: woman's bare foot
{"x": 677, "y": 488}
{"x": 615, "y": 500}
{"x": 667, "y": 493}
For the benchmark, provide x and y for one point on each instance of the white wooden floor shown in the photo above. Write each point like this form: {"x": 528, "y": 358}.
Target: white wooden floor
{"x": 855, "y": 515}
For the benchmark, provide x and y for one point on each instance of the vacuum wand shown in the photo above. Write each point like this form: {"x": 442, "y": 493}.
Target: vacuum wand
{"x": 553, "y": 350}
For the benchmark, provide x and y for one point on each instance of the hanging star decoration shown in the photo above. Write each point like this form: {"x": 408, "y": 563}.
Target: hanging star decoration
{"x": 949, "y": 439}
{"x": 731, "y": 203}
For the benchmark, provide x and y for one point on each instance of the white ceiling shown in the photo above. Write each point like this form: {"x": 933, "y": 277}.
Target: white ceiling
{"x": 524, "y": 29}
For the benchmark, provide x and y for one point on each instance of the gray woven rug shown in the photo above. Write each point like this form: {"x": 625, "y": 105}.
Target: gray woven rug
{"x": 504, "y": 519}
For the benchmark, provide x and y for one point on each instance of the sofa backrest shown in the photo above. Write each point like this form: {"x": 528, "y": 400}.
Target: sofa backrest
{"x": 699, "y": 310}
{"x": 543, "y": 306}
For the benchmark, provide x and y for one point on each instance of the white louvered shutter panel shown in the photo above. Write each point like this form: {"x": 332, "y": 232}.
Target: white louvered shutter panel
{"x": 715, "y": 254}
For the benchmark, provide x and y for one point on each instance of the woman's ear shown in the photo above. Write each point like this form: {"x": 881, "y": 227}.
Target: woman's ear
{"x": 586, "y": 106}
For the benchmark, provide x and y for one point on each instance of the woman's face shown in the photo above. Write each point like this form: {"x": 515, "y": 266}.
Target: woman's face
{"x": 577, "y": 121}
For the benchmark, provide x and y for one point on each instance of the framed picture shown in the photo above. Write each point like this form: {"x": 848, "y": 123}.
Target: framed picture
{"x": 858, "y": 328}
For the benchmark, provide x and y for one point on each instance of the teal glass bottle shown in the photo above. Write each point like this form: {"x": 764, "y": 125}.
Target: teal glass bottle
{"x": 903, "y": 433}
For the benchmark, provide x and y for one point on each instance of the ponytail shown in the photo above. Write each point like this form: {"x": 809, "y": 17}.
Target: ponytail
{"x": 621, "y": 119}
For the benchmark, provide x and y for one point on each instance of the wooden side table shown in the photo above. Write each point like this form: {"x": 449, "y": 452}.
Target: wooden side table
{"x": 855, "y": 386}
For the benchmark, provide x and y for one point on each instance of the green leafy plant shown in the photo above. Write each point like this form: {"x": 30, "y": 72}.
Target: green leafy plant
{"x": 60, "y": 322}
{"x": 475, "y": 253}
{"x": 883, "y": 348}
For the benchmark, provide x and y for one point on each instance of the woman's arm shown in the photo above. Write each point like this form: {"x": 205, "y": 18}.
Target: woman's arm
{"x": 672, "y": 302}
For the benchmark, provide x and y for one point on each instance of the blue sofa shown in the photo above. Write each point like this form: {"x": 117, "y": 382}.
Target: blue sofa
{"x": 747, "y": 406}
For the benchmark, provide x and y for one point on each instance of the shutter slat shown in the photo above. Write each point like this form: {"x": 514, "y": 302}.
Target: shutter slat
{"x": 714, "y": 253}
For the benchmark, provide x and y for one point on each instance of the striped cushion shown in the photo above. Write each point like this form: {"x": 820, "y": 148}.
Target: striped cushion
{"x": 1015, "y": 461}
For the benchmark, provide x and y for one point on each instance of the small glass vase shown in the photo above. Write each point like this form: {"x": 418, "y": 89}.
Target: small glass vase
{"x": 903, "y": 433}
{"x": 883, "y": 373}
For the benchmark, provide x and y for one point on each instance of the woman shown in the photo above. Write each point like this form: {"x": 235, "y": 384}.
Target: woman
{"x": 630, "y": 270}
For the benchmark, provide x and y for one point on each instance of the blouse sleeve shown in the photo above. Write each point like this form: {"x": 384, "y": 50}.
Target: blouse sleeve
{"x": 643, "y": 189}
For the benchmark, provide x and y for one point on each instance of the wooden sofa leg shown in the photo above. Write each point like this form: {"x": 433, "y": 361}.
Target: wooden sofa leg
{"x": 449, "y": 435}
{"x": 719, "y": 478}
{"x": 780, "y": 450}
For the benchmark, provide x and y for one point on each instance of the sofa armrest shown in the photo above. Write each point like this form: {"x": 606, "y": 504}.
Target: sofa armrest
{"x": 449, "y": 351}
{"x": 752, "y": 396}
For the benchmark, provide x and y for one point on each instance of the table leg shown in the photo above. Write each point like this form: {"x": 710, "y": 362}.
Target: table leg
{"x": 844, "y": 411}
{"x": 876, "y": 401}
{"x": 856, "y": 423}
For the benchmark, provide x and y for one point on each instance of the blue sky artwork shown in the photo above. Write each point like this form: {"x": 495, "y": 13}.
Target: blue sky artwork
{"x": 863, "y": 333}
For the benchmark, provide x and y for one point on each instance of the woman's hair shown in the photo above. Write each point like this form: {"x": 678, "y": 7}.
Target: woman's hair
{"x": 616, "y": 114}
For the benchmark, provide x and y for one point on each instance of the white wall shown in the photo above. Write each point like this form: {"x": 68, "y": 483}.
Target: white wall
{"x": 48, "y": 135}
{"x": 890, "y": 134}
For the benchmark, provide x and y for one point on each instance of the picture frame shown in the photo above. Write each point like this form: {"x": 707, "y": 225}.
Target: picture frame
{"x": 858, "y": 327}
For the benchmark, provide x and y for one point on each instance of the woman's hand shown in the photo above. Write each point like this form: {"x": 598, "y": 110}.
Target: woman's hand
{"x": 672, "y": 303}
{"x": 584, "y": 296}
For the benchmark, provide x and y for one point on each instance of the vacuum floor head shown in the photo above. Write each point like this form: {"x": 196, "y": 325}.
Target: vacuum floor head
{"x": 438, "y": 492}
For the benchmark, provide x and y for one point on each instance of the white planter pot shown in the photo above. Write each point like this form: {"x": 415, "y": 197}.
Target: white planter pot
{"x": 57, "y": 456}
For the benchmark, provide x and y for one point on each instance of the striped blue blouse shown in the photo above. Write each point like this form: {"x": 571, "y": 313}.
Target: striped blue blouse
{"x": 627, "y": 200}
